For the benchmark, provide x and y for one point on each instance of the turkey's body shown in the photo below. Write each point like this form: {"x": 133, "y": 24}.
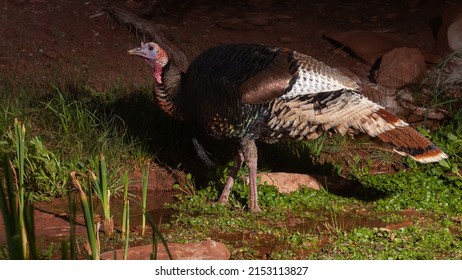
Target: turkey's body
{"x": 262, "y": 93}
{"x": 251, "y": 92}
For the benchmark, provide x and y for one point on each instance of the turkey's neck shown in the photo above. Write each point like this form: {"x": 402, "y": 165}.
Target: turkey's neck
{"x": 167, "y": 90}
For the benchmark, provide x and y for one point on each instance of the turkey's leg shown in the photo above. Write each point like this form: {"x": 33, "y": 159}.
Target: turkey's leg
{"x": 238, "y": 159}
{"x": 249, "y": 149}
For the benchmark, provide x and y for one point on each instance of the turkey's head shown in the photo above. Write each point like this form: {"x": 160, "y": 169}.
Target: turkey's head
{"x": 154, "y": 55}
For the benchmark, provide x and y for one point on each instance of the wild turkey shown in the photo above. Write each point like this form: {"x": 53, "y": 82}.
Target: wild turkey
{"x": 251, "y": 92}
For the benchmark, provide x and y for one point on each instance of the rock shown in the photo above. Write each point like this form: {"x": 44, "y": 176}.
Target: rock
{"x": 401, "y": 67}
{"x": 455, "y": 35}
{"x": 448, "y": 30}
{"x": 205, "y": 250}
{"x": 289, "y": 182}
{"x": 235, "y": 24}
{"x": 377, "y": 43}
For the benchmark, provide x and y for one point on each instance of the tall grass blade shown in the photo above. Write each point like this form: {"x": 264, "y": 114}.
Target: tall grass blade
{"x": 108, "y": 222}
{"x": 64, "y": 250}
{"x": 20, "y": 135}
{"x": 125, "y": 207}
{"x": 30, "y": 230}
{"x": 145, "y": 181}
{"x": 155, "y": 243}
{"x": 127, "y": 230}
{"x": 17, "y": 230}
{"x": 104, "y": 194}
{"x": 156, "y": 233}
{"x": 9, "y": 213}
{"x": 72, "y": 235}
{"x": 88, "y": 215}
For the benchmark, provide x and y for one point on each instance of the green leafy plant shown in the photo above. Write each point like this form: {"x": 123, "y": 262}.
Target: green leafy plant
{"x": 43, "y": 176}
{"x": 101, "y": 187}
{"x": 16, "y": 211}
{"x": 188, "y": 188}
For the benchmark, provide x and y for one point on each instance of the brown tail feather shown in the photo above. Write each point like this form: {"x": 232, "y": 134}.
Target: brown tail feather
{"x": 407, "y": 141}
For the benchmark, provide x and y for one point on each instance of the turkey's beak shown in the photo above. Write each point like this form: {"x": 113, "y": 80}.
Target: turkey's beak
{"x": 138, "y": 51}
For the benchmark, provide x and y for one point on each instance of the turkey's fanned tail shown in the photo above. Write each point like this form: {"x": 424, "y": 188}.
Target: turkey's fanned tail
{"x": 408, "y": 142}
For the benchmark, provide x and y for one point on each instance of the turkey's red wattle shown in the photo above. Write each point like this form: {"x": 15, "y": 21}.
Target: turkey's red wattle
{"x": 157, "y": 73}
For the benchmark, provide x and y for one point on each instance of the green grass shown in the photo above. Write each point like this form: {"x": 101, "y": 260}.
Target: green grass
{"x": 68, "y": 129}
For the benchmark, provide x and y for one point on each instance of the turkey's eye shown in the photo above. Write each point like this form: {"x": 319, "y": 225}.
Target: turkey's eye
{"x": 151, "y": 48}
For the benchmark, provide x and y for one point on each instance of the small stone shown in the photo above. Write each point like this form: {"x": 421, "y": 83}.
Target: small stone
{"x": 205, "y": 250}
{"x": 401, "y": 67}
{"x": 289, "y": 182}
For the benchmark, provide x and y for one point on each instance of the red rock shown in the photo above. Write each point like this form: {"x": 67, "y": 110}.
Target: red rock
{"x": 368, "y": 46}
{"x": 401, "y": 67}
{"x": 205, "y": 250}
{"x": 289, "y": 182}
